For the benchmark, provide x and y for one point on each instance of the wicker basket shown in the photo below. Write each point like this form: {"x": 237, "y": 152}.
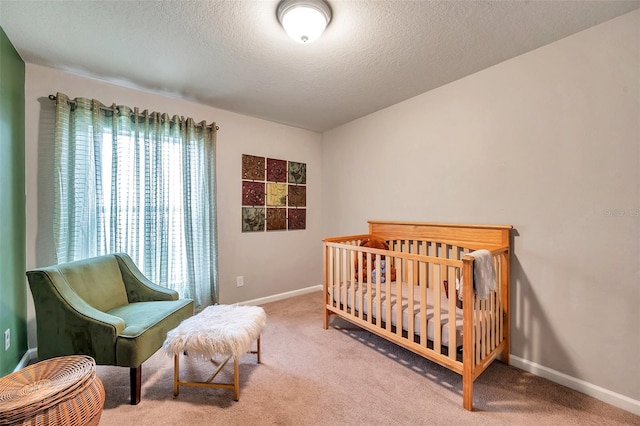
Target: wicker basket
{"x": 57, "y": 391}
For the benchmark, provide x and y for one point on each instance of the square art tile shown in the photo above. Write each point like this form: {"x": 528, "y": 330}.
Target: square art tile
{"x": 297, "y": 219}
{"x": 252, "y": 193}
{"x": 297, "y": 196}
{"x": 297, "y": 172}
{"x": 276, "y": 170}
{"x": 276, "y": 194}
{"x": 276, "y": 219}
{"x": 252, "y": 167}
{"x": 252, "y": 219}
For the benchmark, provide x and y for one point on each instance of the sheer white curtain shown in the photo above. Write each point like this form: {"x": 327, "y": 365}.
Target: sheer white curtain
{"x": 140, "y": 183}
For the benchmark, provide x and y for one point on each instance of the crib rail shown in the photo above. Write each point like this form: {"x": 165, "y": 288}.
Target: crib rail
{"x": 427, "y": 322}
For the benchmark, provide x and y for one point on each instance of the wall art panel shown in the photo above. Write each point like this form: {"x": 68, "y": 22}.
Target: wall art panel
{"x": 274, "y": 194}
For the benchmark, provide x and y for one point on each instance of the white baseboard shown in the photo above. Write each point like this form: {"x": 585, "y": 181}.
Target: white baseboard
{"x": 282, "y": 296}
{"x": 605, "y": 395}
{"x": 29, "y": 355}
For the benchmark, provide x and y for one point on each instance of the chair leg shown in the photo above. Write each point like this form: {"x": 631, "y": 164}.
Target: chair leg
{"x": 135, "y": 374}
{"x": 236, "y": 379}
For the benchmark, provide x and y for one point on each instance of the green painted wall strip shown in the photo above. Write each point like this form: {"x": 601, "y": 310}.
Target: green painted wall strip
{"x": 13, "y": 292}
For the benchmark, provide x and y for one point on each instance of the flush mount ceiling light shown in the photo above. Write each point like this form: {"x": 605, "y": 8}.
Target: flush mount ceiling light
{"x": 304, "y": 20}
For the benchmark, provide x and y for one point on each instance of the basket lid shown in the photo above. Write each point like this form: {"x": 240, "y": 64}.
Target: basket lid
{"x": 37, "y": 386}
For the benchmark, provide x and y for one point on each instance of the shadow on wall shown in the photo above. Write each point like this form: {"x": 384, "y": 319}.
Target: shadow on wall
{"x": 533, "y": 337}
{"x": 45, "y": 249}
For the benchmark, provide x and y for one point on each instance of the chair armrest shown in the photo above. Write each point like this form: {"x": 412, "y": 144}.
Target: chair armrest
{"x": 139, "y": 288}
{"x": 68, "y": 325}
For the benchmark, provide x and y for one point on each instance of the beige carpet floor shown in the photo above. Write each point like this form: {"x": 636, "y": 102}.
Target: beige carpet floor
{"x": 343, "y": 376}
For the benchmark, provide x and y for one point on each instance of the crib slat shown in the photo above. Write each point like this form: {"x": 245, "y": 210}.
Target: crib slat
{"x": 430, "y": 276}
{"x": 387, "y": 289}
{"x": 341, "y": 282}
{"x": 499, "y": 310}
{"x": 378, "y": 287}
{"x": 352, "y": 280}
{"x": 330, "y": 274}
{"x": 437, "y": 312}
{"x": 481, "y": 330}
{"x": 499, "y": 320}
{"x": 410, "y": 297}
{"x": 453, "y": 318}
{"x": 403, "y": 249}
{"x": 399, "y": 273}
{"x": 432, "y": 282}
{"x": 360, "y": 292}
{"x": 452, "y": 313}
{"x": 494, "y": 319}
{"x": 491, "y": 322}
{"x": 485, "y": 329}
{"x": 423, "y": 282}
{"x": 477, "y": 335}
{"x": 504, "y": 302}
{"x": 415, "y": 249}
{"x": 367, "y": 284}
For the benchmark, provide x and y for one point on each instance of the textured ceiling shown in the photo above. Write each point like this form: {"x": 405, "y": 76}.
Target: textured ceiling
{"x": 235, "y": 56}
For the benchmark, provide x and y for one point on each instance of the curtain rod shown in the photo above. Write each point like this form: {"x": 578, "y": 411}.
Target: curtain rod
{"x": 106, "y": 108}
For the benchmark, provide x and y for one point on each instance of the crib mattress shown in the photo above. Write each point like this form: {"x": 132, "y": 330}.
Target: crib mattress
{"x": 370, "y": 290}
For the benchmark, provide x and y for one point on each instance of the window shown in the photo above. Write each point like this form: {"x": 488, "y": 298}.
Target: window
{"x": 139, "y": 183}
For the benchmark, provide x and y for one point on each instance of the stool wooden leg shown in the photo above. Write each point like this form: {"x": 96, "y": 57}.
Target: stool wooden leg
{"x": 176, "y": 374}
{"x": 236, "y": 380}
{"x": 258, "y": 351}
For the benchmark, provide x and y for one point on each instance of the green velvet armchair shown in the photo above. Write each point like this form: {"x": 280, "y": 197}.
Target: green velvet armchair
{"x": 106, "y": 308}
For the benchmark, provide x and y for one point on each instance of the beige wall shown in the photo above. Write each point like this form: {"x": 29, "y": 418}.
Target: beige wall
{"x": 272, "y": 263}
{"x": 550, "y": 143}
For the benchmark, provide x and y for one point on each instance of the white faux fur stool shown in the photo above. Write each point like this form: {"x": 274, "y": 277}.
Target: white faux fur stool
{"x": 227, "y": 330}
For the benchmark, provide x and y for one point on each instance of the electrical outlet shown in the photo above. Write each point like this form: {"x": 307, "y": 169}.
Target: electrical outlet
{"x": 7, "y": 339}
{"x": 239, "y": 281}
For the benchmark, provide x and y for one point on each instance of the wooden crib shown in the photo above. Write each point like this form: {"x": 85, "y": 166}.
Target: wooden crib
{"x": 427, "y": 260}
